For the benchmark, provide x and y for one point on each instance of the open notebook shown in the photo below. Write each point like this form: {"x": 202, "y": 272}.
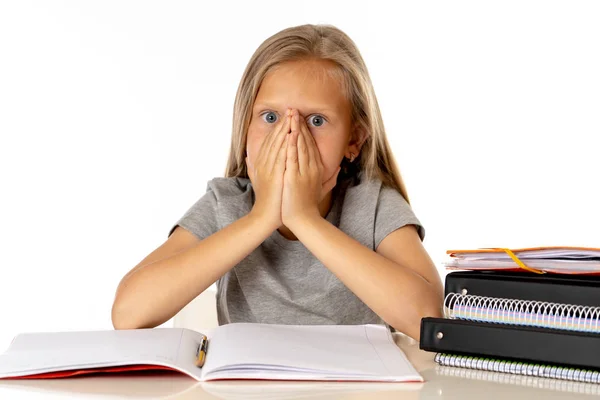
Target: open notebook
{"x": 235, "y": 351}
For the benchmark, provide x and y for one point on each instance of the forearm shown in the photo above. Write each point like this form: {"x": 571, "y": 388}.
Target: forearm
{"x": 156, "y": 292}
{"x": 399, "y": 295}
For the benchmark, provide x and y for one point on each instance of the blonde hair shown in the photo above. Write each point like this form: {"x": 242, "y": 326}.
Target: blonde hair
{"x": 320, "y": 42}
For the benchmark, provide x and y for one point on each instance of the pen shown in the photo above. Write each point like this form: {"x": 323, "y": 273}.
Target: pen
{"x": 201, "y": 353}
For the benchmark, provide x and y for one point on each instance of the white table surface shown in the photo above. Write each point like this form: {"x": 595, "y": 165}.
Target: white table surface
{"x": 440, "y": 383}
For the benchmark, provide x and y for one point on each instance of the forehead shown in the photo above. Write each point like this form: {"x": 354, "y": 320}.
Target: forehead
{"x": 303, "y": 85}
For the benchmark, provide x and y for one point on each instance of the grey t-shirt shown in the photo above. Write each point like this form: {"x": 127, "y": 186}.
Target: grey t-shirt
{"x": 281, "y": 281}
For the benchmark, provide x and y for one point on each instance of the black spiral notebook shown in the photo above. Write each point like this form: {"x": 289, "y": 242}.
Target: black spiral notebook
{"x": 558, "y": 288}
{"x": 566, "y": 302}
{"x": 545, "y": 325}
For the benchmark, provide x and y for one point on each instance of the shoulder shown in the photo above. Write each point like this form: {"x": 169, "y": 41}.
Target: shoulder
{"x": 231, "y": 187}
{"x": 374, "y": 186}
{"x": 370, "y": 210}
{"x": 225, "y": 200}
{"x": 224, "y": 194}
{"x": 358, "y": 190}
{"x": 392, "y": 206}
{"x": 392, "y": 210}
{"x": 388, "y": 194}
{"x": 375, "y": 191}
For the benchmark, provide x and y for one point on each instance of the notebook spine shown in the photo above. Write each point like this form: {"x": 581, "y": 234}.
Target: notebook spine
{"x": 522, "y": 312}
{"x": 518, "y": 367}
{"x": 511, "y": 342}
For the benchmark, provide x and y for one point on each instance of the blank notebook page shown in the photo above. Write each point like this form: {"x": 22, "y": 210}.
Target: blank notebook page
{"x": 53, "y": 350}
{"x": 341, "y": 349}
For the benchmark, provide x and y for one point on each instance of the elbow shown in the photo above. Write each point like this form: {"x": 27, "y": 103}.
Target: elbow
{"x": 433, "y": 311}
{"x": 119, "y": 317}
{"x": 409, "y": 320}
{"x": 123, "y": 315}
{"x": 123, "y": 318}
{"x": 431, "y": 302}
{"x": 430, "y": 305}
{"x": 118, "y": 311}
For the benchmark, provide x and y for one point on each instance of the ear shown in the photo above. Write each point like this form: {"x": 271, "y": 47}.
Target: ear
{"x": 357, "y": 139}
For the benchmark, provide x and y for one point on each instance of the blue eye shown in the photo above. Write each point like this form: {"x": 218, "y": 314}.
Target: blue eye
{"x": 270, "y": 116}
{"x": 318, "y": 121}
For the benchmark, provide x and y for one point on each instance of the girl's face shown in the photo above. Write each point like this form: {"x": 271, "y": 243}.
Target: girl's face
{"x": 319, "y": 99}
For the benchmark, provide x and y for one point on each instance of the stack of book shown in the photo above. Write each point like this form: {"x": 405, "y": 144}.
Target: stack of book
{"x": 533, "y": 311}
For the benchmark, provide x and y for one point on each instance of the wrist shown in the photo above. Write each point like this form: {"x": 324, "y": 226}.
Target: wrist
{"x": 261, "y": 222}
{"x": 297, "y": 222}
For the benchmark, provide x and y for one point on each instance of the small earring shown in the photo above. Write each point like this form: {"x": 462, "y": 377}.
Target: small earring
{"x": 351, "y": 157}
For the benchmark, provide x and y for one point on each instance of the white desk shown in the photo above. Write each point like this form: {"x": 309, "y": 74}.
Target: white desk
{"x": 441, "y": 383}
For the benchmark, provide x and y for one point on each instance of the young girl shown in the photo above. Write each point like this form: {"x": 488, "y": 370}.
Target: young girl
{"x": 312, "y": 223}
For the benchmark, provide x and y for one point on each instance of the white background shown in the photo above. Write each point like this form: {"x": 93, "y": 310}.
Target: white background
{"x": 115, "y": 114}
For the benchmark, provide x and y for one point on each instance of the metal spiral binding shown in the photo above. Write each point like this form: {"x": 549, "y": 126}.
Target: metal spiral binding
{"x": 522, "y": 312}
{"x": 518, "y": 368}
{"x": 557, "y": 385}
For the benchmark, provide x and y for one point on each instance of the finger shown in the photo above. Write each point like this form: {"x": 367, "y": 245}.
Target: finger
{"x": 267, "y": 144}
{"x": 281, "y": 157}
{"x": 313, "y": 156}
{"x": 291, "y": 162}
{"x": 295, "y": 129}
{"x": 302, "y": 155}
{"x": 281, "y": 127}
{"x": 277, "y": 144}
{"x": 295, "y": 124}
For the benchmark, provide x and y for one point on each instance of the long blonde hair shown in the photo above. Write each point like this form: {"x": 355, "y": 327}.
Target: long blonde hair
{"x": 321, "y": 42}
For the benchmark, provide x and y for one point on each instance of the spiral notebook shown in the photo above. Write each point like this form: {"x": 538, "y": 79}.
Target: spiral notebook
{"x": 234, "y": 351}
{"x": 555, "y": 288}
{"x": 477, "y": 326}
{"x": 535, "y": 300}
{"x": 451, "y": 367}
{"x": 518, "y": 368}
{"x": 522, "y": 312}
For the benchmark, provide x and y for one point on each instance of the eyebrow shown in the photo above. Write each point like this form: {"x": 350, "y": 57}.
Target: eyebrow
{"x": 318, "y": 109}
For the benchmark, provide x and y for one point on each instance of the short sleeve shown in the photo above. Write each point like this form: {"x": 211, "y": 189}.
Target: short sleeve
{"x": 393, "y": 212}
{"x": 200, "y": 218}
